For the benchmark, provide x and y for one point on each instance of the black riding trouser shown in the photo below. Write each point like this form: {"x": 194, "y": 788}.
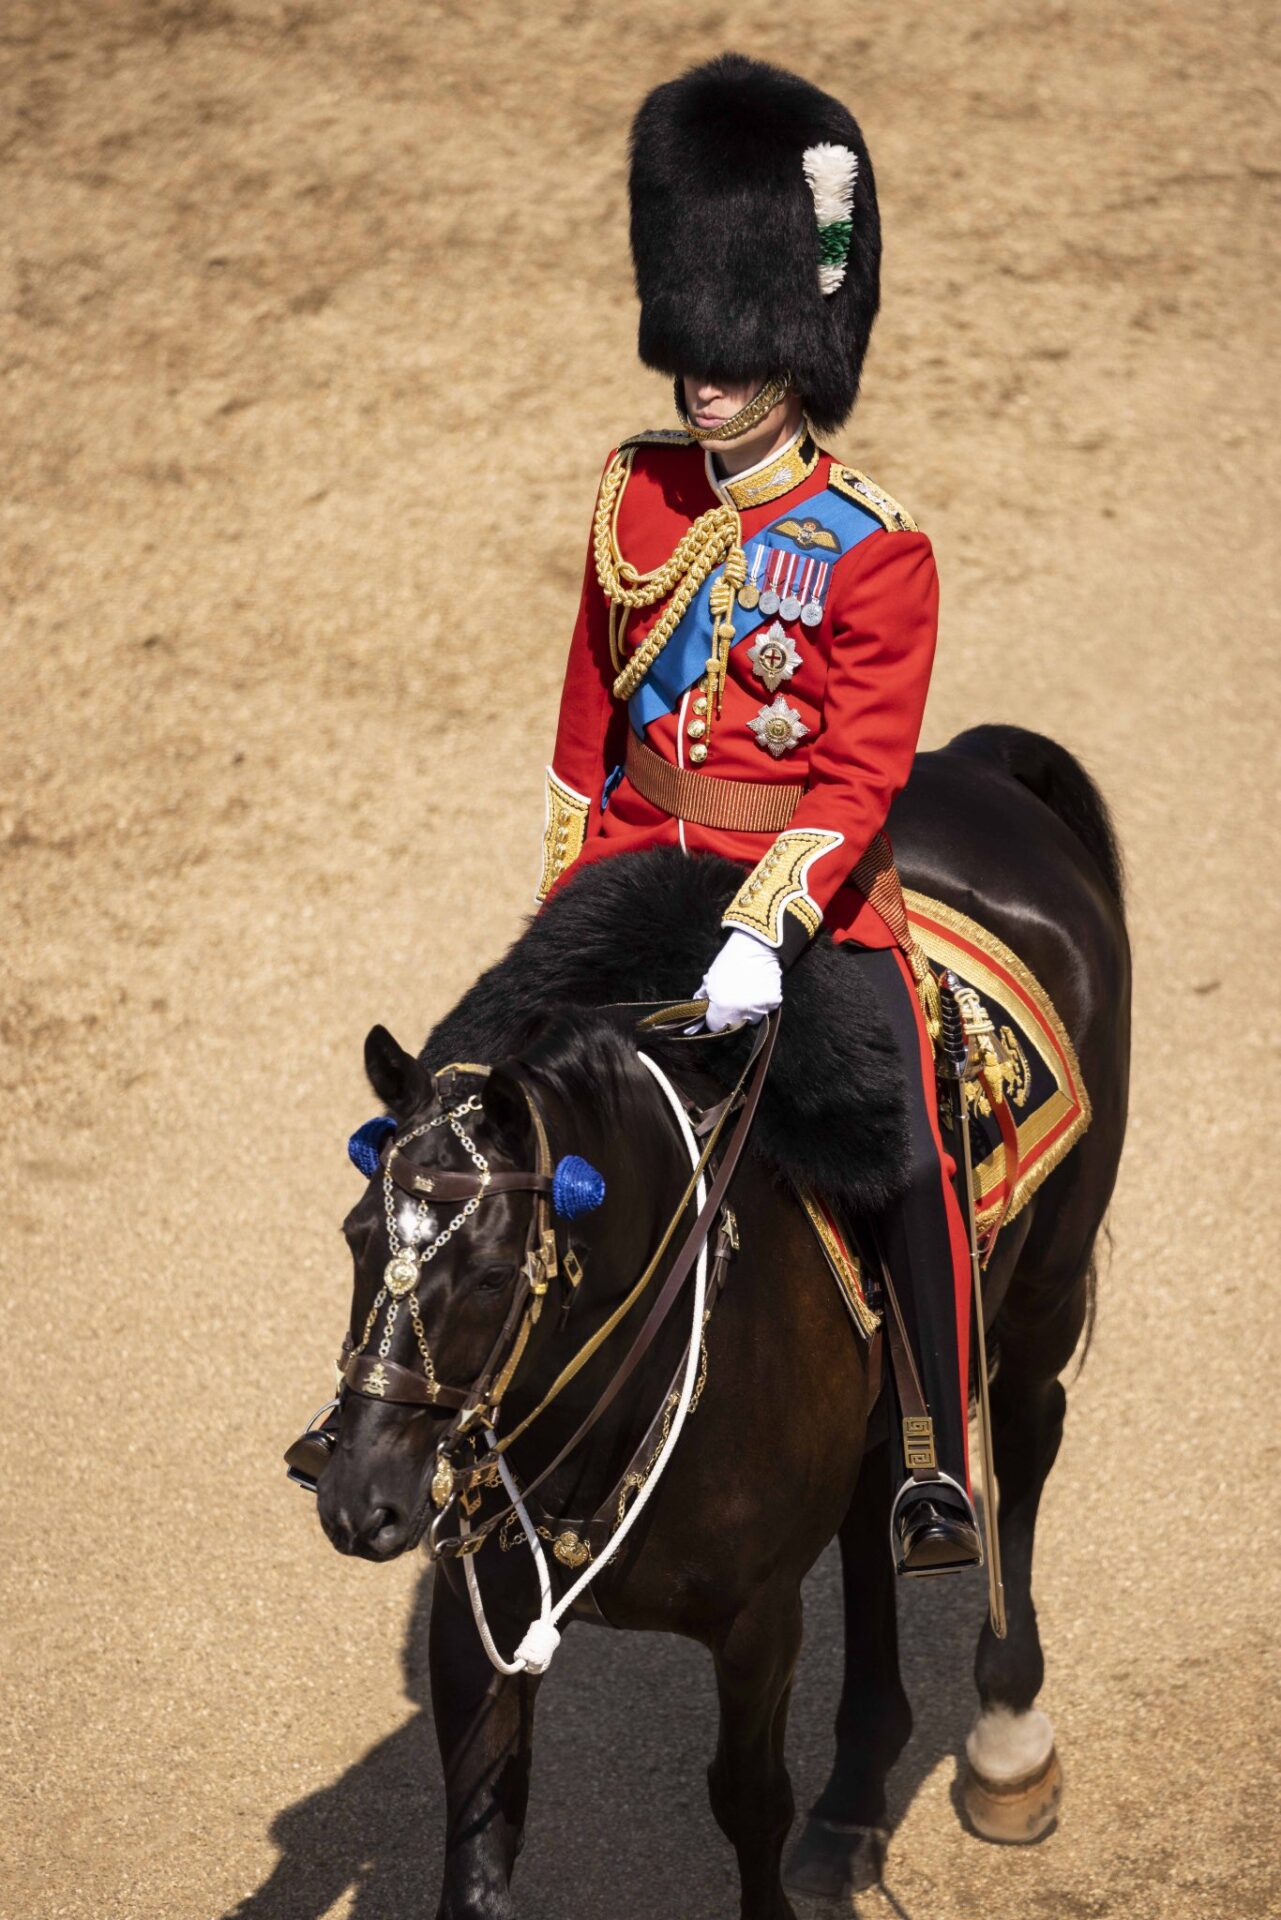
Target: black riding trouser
{"x": 922, "y": 1233}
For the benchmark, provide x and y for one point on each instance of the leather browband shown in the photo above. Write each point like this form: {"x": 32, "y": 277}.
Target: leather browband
{"x": 448, "y": 1184}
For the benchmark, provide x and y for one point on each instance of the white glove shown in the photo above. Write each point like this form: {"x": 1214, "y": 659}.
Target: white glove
{"x": 744, "y": 982}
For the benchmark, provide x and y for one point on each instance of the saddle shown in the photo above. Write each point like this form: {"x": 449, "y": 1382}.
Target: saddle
{"x": 832, "y": 1118}
{"x": 640, "y": 927}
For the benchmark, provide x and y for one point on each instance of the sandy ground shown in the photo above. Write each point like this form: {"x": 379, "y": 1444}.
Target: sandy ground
{"x": 317, "y": 327}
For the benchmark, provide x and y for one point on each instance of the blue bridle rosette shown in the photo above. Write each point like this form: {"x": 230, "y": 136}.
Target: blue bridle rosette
{"x": 577, "y": 1188}
{"x": 364, "y": 1149}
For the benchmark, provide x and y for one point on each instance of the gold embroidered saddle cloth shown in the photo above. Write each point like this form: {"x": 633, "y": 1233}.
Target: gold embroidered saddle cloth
{"x": 1047, "y": 1108}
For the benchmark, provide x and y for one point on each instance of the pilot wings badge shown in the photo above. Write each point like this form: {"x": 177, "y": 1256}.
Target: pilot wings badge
{"x": 809, "y": 533}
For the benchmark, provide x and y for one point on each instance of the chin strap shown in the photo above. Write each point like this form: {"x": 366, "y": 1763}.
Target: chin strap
{"x": 761, "y": 404}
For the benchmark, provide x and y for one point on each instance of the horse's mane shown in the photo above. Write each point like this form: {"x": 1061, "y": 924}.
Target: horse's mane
{"x": 586, "y": 1059}
{"x": 643, "y": 927}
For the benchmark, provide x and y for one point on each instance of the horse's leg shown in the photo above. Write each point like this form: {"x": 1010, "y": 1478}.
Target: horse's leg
{"x": 751, "y": 1794}
{"x": 484, "y": 1725}
{"x": 1013, "y": 1782}
{"x": 842, "y": 1849}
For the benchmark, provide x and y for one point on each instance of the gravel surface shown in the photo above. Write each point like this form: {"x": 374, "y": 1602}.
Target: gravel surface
{"x": 318, "y": 326}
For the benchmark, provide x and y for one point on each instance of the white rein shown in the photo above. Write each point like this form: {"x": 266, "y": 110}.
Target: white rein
{"x": 542, "y": 1637}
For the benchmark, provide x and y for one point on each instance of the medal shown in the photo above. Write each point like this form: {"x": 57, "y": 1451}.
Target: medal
{"x": 749, "y": 593}
{"x": 812, "y": 611}
{"x": 770, "y": 600}
{"x": 790, "y": 605}
{"x": 779, "y": 727}
{"x": 774, "y": 658}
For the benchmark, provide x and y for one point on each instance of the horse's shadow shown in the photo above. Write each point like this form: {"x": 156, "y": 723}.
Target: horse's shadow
{"x": 625, "y": 1728}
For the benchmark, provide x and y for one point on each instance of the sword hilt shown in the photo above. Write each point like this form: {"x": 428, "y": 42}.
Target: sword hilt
{"x": 954, "y": 1042}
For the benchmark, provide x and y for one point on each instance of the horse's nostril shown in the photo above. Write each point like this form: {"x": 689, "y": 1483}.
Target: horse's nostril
{"x": 373, "y": 1533}
{"x": 385, "y": 1530}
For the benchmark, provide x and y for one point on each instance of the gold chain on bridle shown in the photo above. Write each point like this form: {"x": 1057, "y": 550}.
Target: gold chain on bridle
{"x": 406, "y": 1262}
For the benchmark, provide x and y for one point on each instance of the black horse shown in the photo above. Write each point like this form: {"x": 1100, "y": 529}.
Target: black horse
{"x": 1007, "y": 827}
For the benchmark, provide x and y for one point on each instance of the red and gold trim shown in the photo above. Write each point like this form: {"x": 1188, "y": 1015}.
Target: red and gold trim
{"x": 842, "y": 1260}
{"x": 952, "y": 939}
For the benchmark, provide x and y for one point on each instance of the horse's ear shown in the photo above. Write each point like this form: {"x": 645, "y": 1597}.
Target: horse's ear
{"x": 506, "y": 1110}
{"x": 395, "y": 1076}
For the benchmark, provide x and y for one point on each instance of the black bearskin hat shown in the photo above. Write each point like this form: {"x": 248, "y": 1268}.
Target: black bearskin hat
{"x": 733, "y": 220}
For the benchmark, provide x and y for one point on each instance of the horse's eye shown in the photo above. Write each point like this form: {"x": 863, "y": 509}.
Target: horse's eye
{"x": 492, "y": 1279}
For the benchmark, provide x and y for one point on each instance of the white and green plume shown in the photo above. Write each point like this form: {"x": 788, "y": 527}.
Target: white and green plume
{"x": 831, "y": 172}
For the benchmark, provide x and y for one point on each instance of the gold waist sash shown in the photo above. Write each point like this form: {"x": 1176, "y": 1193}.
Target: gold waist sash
{"x": 735, "y": 806}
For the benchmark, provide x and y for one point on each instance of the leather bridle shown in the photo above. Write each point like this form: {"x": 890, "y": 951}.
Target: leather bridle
{"x": 381, "y": 1379}
{"x": 475, "y": 1408}
{"x": 453, "y": 1481}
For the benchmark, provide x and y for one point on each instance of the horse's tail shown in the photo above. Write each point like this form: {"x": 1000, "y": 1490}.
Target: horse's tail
{"x": 1058, "y": 779}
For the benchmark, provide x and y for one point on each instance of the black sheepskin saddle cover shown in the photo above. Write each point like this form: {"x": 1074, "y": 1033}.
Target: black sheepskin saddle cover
{"x": 645, "y": 926}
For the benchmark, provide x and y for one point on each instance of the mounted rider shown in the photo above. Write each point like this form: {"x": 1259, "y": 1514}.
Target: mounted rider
{"x": 749, "y": 667}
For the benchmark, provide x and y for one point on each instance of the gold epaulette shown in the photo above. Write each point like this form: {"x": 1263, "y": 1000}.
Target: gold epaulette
{"x": 873, "y": 499}
{"x": 658, "y": 437}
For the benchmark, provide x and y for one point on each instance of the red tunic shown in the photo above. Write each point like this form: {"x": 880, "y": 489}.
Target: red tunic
{"x": 857, "y": 694}
{"x": 859, "y": 690}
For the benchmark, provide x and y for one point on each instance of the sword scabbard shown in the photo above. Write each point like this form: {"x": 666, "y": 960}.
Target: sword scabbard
{"x": 960, "y": 1066}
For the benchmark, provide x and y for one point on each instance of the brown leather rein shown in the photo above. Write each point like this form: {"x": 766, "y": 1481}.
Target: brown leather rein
{"x": 477, "y": 1406}
{"x": 747, "y": 1089}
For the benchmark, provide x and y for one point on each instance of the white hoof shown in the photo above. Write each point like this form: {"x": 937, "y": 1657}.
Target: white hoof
{"x": 1013, "y": 1783}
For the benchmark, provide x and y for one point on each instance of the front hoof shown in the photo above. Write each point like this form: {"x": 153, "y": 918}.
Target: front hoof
{"x": 1015, "y": 1813}
{"x": 831, "y": 1862}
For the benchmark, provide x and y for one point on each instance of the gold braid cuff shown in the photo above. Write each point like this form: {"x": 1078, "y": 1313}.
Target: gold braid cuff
{"x": 564, "y": 832}
{"x": 714, "y": 537}
{"x": 777, "y": 884}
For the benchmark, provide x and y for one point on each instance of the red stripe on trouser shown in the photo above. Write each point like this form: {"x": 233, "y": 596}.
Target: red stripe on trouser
{"x": 957, "y": 1239}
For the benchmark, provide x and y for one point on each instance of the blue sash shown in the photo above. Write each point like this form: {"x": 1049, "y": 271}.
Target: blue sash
{"x": 684, "y": 658}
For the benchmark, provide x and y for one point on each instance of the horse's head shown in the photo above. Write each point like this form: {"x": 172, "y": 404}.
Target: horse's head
{"x": 454, "y": 1248}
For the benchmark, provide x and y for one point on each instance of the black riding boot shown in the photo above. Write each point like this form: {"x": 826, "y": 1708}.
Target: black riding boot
{"x": 933, "y": 1527}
